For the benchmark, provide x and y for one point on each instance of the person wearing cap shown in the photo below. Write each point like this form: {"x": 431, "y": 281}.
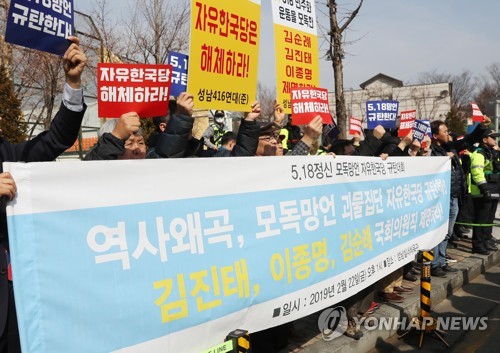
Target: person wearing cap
{"x": 442, "y": 146}
{"x": 485, "y": 193}
{"x": 214, "y": 132}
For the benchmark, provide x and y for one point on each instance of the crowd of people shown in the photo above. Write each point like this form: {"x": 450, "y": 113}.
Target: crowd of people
{"x": 475, "y": 170}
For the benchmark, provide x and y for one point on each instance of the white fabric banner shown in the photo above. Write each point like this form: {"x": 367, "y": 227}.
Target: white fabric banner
{"x": 172, "y": 255}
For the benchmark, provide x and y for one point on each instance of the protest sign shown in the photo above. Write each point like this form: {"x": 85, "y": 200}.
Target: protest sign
{"x": 224, "y": 52}
{"x": 477, "y": 115}
{"x": 420, "y": 129}
{"x": 355, "y": 126}
{"x": 165, "y": 265}
{"x": 296, "y": 44}
{"x": 330, "y": 132}
{"x": 179, "y": 64}
{"x": 309, "y": 102}
{"x": 383, "y": 113}
{"x": 42, "y": 25}
{"x": 124, "y": 88}
{"x": 406, "y": 122}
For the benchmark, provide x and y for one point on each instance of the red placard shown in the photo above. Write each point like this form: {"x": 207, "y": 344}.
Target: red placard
{"x": 307, "y": 102}
{"x": 355, "y": 127}
{"x": 123, "y": 88}
{"x": 406, "y": 122}
{"x": 477, "y": 115}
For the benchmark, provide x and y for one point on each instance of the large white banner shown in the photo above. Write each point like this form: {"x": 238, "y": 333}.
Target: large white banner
{"x": 171, "y": 255}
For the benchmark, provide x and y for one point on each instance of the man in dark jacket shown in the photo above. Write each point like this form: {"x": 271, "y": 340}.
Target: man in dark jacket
{"x": 45, "y": 147}
{"x": 443, "y": 146}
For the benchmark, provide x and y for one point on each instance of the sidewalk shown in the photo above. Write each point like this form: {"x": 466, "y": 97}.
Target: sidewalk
{"x": 470, "y": 266}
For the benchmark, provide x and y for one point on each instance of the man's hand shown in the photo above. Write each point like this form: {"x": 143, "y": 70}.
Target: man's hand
{"x": 74, "y": 62}
{"x": 7, "y": 186}
{"x": 415, "y": 147}
{"x": 128, "y": 124}
{"x": 486, "y": 121}
{"x": 313, "y": 131}
{"x": 185, "y": 104}
{"x": 255, "y": 112}
{"x": 406, "y": 141}
{"x": 279, "y": 113}
{"x": 379, "y": 132}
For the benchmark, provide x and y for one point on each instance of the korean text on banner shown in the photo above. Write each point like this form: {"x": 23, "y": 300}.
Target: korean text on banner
{"x": 355, "y": 126}
{"x": 179, "y": 64}
{"x": 406, "y": 122}
{"x": 42, "y": 25}
{"x": 384, "y": 112}
{"x": 296, "y": 42}
{"x": 308, "y": 103}
{"x": 195, "y": 262}
{"x": 224, "y": 53}
{"x": 124, "y": 88}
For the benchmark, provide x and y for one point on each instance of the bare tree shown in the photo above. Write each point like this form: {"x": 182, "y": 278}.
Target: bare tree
{"x": 336, "y": 54}
{"x": 156, "y": 28}
{"x": 266, "y": 98}
{"x": 463, "y": 86}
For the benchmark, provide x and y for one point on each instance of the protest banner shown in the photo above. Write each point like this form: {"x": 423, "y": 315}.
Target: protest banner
{"x": 42, "y": 25}
{"x": 296, "y": 43}
{"x": 224, "y": 52}
{"x": 330, "y": 132}
{"x": 384, "y": 112}
{"x": 308, "y": 103}
{"x": 477, "y": 115}
{"x": 406, "y": 122}
{"x": 420, "y": 129}
{"x": 124, "y": 88}
{"x": 179, "y": 64}
{"x": 355, "y": 126}
{"x": 178, "y": 268}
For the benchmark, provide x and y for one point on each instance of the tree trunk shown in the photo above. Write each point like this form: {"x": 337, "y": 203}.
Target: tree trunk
{"x": 336, "y": 53}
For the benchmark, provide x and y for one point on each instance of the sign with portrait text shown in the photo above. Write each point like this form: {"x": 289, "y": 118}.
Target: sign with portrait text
{"x": 384, "y": 112}
{"x": 296, "y": 43}
{"x": 406, "y": 122}
{"x": 41, "y": 24}
{"x": 308, "y": 103}
{"x": 355, "y": 126}
{"x": 124, "y": 88}
{"x": 179, "y": 64}
{"x": 224, "y": 52}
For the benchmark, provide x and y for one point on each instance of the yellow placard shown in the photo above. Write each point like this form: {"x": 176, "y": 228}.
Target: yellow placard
{"x": 224, "y": 52}
{"x": 297, "y": 62}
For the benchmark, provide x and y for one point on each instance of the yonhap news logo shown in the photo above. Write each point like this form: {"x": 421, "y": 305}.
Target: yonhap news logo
{"x": 333, "y": 323}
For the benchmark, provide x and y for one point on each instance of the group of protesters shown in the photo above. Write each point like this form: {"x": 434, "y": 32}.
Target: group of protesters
{"x": 475, "y": 168}
{"x": 475, "y": 161}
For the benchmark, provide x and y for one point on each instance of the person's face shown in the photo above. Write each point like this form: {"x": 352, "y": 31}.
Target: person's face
{"x": 135, "y": 148}
{"x": 267, "y": 145}
{"x": 490, "y": 141}
{"x": 443, "y": 134}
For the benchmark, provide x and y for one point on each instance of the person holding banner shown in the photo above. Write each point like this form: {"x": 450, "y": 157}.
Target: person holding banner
{"x": 442, "y": 146}
{"x": 45, "y": 147}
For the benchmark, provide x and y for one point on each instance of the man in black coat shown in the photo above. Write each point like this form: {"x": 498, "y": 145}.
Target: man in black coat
{"x": 45, "y": 147}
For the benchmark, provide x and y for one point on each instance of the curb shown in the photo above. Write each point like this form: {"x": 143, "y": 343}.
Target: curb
{"x": 470, "y": 266}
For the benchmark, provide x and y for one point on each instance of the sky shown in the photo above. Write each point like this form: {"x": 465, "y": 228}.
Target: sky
{"x": 399, "y": 38}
